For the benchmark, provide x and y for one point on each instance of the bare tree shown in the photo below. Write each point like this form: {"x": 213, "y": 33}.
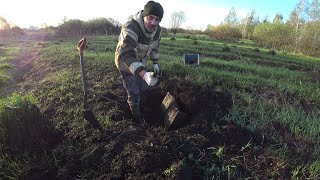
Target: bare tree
{"x": 297, "y": 20}
{"x": 309, "y": 37}
{"x": 232, "y": 18}
{"x": 4, "y": 24}
{"x": 249, "y": 23}
{"x": 278, "y": 18}
{"x": 314, "y": 12}
{"x": 176, "y": 19}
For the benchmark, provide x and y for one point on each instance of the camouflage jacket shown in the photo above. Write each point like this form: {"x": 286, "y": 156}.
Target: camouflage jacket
{"x": 135, "y": 45}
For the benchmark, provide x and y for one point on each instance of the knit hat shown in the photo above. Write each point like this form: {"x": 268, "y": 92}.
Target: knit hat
{"x": 153, "y": 8}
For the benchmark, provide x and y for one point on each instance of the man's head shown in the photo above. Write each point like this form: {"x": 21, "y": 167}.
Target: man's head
{"x": 152, "y": 15}
{"x": 153, "y": 8}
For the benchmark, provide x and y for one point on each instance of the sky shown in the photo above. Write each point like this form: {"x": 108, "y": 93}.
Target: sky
{"x": 198, "y": 13}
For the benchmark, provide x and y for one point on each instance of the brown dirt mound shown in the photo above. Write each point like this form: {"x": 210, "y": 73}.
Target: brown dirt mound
{"x": 27, "y": 130}
{"x": 202, "y": 148}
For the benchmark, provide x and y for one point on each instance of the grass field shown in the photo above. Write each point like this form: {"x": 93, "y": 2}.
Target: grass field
{"x": 4, "y": 64}
{"x": 274, "y": 106}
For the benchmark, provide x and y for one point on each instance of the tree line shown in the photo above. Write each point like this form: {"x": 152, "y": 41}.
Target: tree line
{"x": 6, "y": 30}
{"x": 69, "y": 28}
{"x": 299, "y": 34}
{"x": 79, "y": 28}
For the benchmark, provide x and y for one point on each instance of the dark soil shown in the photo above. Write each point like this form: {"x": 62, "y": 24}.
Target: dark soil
{"x": 203, "y": 147}
{"x": 27, "y": 131}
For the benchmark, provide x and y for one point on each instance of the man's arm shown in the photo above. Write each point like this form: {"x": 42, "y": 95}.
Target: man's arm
{"x": 128, "y": 50}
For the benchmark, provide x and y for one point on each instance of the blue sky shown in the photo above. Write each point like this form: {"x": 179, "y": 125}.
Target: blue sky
{"x": 262, "y": 7}
{"x": 199, "y": 13}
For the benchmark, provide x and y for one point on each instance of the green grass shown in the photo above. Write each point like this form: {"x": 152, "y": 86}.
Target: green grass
{"x": 16, "y": 101}
{"x": 258, "y": 114}
{"x": 266, "y": 89}
{"x": 10, "y": 164}
{"x": 4, "y": 65}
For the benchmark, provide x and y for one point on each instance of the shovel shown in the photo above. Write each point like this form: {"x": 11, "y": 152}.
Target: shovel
{"x": 87, "y": 111}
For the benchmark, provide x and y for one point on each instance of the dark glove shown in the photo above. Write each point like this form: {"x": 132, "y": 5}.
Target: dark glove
{"x": 156, "y": 69}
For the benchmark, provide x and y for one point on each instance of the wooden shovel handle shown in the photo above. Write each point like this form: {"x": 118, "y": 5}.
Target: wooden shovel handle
{"x": 81, "y": 45}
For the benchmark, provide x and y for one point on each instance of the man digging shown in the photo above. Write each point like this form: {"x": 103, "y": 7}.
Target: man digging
{"x": 139, "y": 41}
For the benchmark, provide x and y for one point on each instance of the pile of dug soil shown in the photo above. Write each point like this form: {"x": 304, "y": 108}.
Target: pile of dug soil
{"x": 26, "y": 130}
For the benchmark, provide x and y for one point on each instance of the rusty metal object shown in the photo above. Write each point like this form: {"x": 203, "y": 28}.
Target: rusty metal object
{"x": 173, "y": 117}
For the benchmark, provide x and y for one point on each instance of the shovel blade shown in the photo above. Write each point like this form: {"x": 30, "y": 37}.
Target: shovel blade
{"x": 90, "y": 117}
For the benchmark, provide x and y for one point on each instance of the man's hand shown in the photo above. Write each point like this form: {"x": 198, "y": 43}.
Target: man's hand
{"x": 150, "y": 79}
{"x": 156, "y": 69}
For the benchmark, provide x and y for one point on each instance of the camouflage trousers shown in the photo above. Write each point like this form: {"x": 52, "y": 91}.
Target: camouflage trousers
{"x": 135, "y": 87}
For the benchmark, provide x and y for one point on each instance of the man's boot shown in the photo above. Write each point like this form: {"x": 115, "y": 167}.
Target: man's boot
{"x": 136, "y": 115}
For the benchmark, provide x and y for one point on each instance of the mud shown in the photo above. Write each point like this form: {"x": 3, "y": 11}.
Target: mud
{"x": 204, "y": 147}
{"x": 27, "y": 131}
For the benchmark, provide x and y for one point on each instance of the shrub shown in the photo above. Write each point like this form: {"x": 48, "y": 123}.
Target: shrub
{"x": 225, "y": 32}
{"x": 256, "y": 50}
{"x": 109, "y": 49}
{"x": 226, "y": 49}
{"x": 41, "y": 44}
{"x": 272, "y": 52}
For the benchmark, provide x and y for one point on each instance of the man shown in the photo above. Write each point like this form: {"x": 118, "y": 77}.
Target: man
{"x": 139, "y": 40}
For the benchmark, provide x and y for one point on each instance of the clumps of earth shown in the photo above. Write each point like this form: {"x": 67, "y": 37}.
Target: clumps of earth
{"x": 27, "y": 130}
{"x": 202, "y": 147}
